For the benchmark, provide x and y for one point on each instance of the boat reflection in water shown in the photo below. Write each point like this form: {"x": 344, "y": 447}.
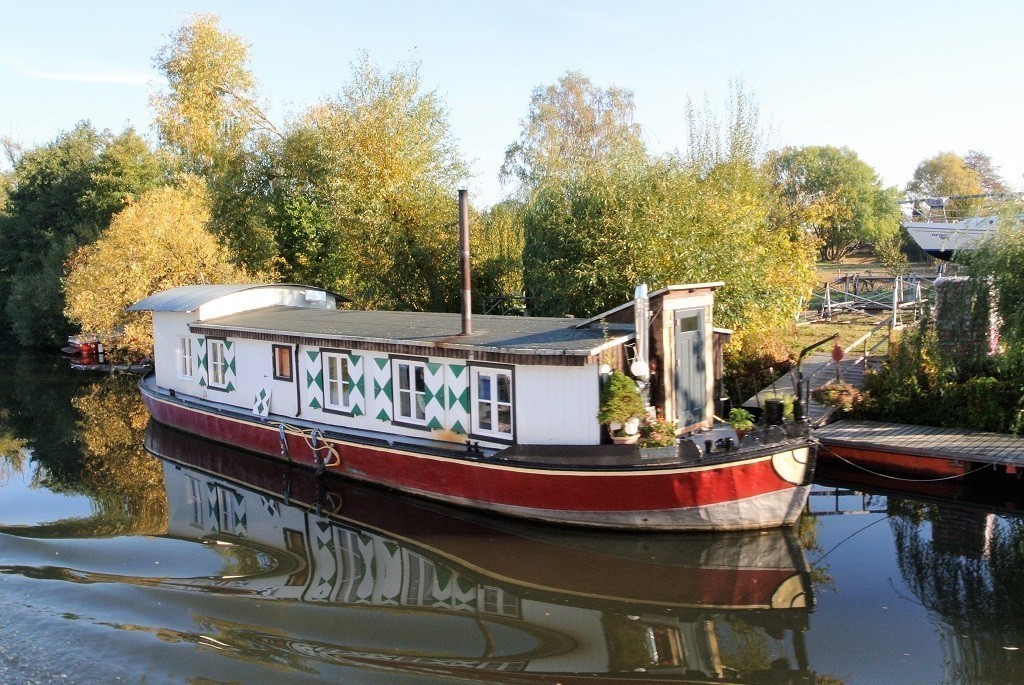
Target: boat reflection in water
{"x": 448, "y": 592}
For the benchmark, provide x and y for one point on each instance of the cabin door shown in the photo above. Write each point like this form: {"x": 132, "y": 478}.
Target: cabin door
{"x": 690, "y": 377}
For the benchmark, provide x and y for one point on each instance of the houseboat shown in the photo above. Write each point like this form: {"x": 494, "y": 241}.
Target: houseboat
{"x": 446, "y": 592}
{"x": 498, "y": 413}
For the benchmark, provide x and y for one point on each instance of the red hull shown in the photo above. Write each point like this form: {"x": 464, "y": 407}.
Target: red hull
{"x": 741, "y": 494}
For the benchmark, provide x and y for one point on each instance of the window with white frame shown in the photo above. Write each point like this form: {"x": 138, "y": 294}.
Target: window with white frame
{"x": 218, "y": 358}
{"x": 410, "y": 387}
{"x": 185, "y": 357}
{"x": 337, "y": 381}
{"x": 491, "y": 397}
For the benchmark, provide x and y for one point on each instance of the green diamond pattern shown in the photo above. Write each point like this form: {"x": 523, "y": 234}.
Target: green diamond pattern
{"x": 313, "y": 354}
{"x": 457, "y": 428}
{"x": 457, "y": 369}
{"x": 381, "y": 363}
{"x": 356, "y": 411}
{"x": 318, "y": 379}
{"x": 386, "y": 389}
{"x": 434, "y": 424}
{"x": 433, "y": 368}
{"x": 315, "y": 403}
{"x": 462, "y": 399}
{"x": 382, "y": 415}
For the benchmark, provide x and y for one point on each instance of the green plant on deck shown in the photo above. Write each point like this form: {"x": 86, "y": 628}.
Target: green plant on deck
{"x": 741, "y": 419}
{"x": 657, "y": 432}
{"x": 620, "y": 400}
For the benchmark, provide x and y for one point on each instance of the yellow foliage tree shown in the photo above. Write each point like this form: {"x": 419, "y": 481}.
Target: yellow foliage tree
{"x": 160, "y": 241}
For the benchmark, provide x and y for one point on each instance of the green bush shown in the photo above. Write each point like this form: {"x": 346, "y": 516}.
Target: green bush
{"x": 620, "y": 400}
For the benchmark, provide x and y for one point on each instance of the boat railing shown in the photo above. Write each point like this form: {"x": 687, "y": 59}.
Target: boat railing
{"x": 955, "y": 208}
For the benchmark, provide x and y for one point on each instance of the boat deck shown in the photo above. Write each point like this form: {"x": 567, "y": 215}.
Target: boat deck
{"x": 925, "y": 441}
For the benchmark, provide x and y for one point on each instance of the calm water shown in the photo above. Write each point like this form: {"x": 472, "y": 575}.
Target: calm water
{"x": 130, "y": 553}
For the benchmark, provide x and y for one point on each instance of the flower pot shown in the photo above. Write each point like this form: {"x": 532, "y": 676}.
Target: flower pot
{"x": 626, "y": 439}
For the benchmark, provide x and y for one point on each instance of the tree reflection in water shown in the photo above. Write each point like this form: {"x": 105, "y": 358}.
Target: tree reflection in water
{"x": 79, "y": 434}
{"x": 964, "y": 564}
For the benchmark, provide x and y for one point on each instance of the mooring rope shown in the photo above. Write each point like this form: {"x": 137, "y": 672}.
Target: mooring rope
{"x": 310, "y": 437}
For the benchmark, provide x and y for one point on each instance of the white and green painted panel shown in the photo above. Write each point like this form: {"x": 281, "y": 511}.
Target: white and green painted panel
{"x": 357, "y": 389}
{"x": 312, "y": 372}
{"x": 382, "y": 395}
{"x": 435, "y": 399}
{"x": 457, "y": 398}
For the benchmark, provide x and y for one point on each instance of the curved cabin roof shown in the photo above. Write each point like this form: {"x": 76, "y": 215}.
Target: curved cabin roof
{"x": 189, "y": 298}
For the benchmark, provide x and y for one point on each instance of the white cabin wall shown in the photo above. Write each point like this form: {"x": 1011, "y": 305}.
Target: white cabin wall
{"x": 168, "y": 327}
{"x": 557, "y": 405}
{"x": 553, "y": 404}
{"x": 254, "y": 362}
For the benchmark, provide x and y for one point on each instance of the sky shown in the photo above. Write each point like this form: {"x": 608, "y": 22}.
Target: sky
{"x": 897, "y": 82}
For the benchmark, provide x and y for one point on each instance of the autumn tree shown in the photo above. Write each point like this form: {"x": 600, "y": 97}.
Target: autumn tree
{"x": 697, "y": 216}
{"x": 722, "y": 224}
{"x": 363, "y": 193}
{"x": 988, "y": 173}
{"x": 158, "y": 242}
{"x": 210, "y": 117}
{"x": 572, "y": 127}
{"x": 209, "y": 109}
{"x": 834, "y": 195}
{"x": 948, "y": 174}
{"x": 497, "y": 238}
{"x": 62, "y": 196}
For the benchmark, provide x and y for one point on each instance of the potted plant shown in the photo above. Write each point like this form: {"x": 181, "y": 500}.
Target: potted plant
{"x": 844, "y": 396}
{"x": 741, "y": 421}
{"x": 657, "y": 437}
{"x": 622, "y": 407}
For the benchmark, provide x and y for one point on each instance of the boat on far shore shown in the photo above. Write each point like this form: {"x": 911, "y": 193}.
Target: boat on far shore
{"x": 940, "y": 234}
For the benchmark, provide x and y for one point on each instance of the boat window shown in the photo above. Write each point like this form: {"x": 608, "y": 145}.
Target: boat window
{"x": 218, "y": 363}
{"x": 492, "y": 402}
{"x": 411, "y": 391}
{"x": 282, "y": 362}
{"x": 337, "y": 382}
{"x": 185, "y": 357}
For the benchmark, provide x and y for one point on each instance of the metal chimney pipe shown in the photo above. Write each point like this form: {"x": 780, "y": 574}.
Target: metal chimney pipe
{"x": 467, "y": 288}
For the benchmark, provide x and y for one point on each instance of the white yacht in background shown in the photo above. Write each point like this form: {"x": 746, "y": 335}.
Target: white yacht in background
{"x": 941, "y": 235}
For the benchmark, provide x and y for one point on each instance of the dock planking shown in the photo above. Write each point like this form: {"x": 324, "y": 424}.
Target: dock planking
{"x": 925, "y": 441}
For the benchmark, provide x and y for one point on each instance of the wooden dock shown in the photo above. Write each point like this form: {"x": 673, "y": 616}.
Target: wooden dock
{"x": 900, "y": 449}
{"x": 818, "y": 370}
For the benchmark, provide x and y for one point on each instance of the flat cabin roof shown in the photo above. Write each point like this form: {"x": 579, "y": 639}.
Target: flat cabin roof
{"x": 516, "y": 335}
